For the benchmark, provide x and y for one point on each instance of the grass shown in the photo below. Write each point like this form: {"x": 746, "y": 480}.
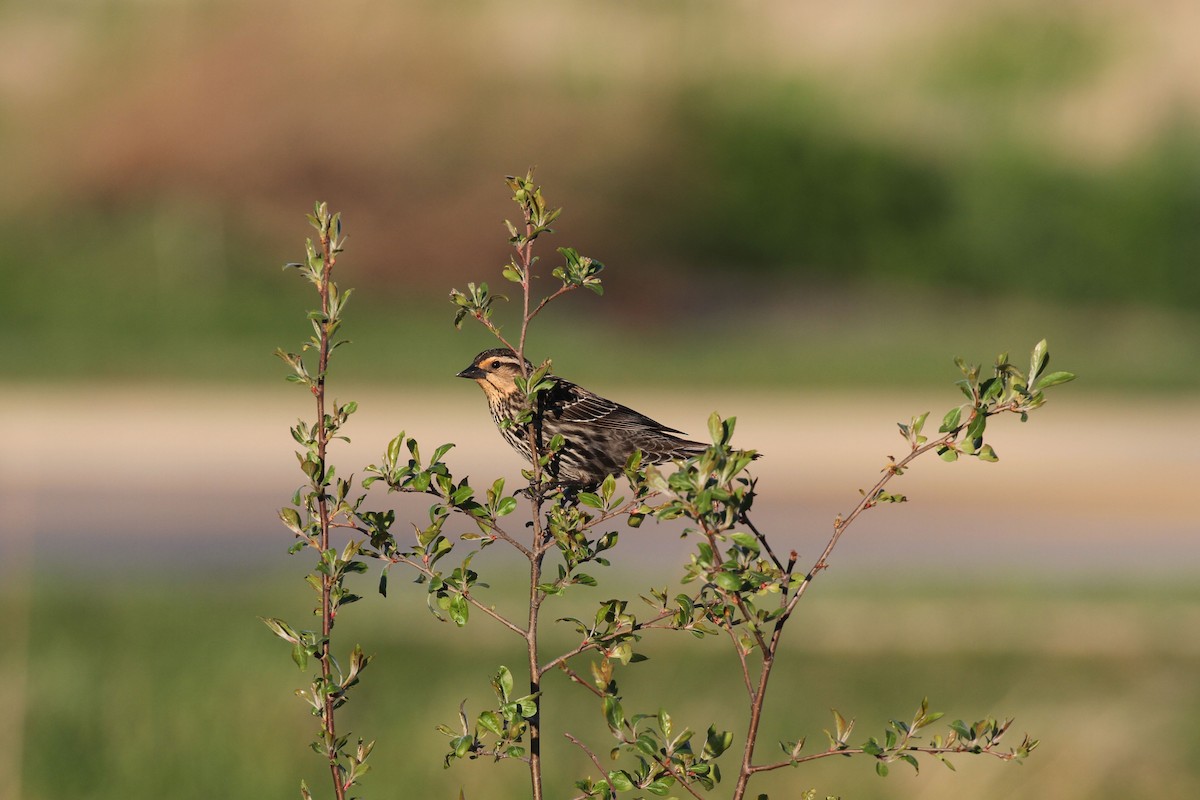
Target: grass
{"x": 118, "y": 301}
{"x": 147, "y": 689}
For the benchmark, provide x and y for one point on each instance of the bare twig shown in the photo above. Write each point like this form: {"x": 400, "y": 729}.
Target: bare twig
{"x": 741, "y": 654}
{"x": 577, "y": 678}
{"x": 590, "y": 754}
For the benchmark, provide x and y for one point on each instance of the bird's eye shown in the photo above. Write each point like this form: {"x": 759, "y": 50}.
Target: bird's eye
{"x": 490, "y": 365}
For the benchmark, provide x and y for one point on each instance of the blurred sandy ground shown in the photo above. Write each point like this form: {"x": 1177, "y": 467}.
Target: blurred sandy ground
{"x": 100, "y": 478}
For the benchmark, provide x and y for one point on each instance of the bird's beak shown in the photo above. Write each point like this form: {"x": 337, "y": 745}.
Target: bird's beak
{"x": 473, "y": 372}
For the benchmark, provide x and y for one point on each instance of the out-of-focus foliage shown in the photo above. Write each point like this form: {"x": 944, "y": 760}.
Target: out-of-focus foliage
{"x": 800, "y": 155}
{"x": 1104, "y": 653}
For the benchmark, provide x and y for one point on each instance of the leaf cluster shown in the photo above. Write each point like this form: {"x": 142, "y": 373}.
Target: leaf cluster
{"x": 497, "y": 733}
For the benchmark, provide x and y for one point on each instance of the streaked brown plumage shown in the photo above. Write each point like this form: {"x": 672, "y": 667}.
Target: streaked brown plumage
{"x": 600, "y": 434}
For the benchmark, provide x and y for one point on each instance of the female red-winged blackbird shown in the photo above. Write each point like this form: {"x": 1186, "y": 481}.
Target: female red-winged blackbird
{"x": 600, "y": 435}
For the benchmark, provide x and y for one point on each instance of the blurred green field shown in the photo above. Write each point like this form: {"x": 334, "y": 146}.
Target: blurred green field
{"x": 141, "y": 689}
{"x": 118, "y": 309}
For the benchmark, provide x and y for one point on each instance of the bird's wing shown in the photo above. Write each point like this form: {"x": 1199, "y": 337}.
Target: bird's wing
{"x": 572, "y": 403}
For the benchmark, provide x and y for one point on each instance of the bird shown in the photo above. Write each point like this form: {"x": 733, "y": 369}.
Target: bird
{"x": 599, "y": 435}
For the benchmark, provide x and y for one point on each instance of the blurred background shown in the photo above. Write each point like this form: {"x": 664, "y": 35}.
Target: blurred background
{"x": 807, "y": 210}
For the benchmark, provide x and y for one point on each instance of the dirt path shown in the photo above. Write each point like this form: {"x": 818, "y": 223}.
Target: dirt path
{"x": 93, "y": 474}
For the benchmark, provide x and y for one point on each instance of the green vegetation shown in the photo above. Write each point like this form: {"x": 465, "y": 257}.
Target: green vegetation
{"x": 817, "y": 203}
{"x": 785, "y": 185}
{"x": 126, "y": 702}
{"x": 122, "y": 302}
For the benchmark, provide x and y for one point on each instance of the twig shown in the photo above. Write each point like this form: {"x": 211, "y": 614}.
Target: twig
{"x": 762, "y": 540}
{"x": 466, "y": 595}
{"x": 737, "y": 646}
{"x": 590, "y": 754}
{"x": 577, "y": 678}
{"x": 851, "y": 751}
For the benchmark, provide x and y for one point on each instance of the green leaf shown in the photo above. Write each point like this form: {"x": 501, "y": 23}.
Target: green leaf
{"x": 527, "y": 707}
{"x": 503, "y": 682}
{"x": 715, "y": 429}
{"x": 1053, "y": 379}
{"x": 950, "y": 421}
{"x": 459, "y": 610}
{"x": 660, "y": 786}
{"x": 281, "y": 629}
{"x": 613, "y": 713}
{"x": 664, "y": 722}
{"x": 590, "y": 499}
{"x": 1038, "y": 360}
{"x": 717, "y": 742}
{"x": 976, "y": 427}
{"x": 290, "y": 518}
{"x": 728, "y": 581}
{"x": 746, "y": 540}
{"x": 300, "y": 655}
{"x": 620, "y": 781}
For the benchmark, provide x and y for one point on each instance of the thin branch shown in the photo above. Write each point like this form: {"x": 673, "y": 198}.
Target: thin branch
{"x": 565, "y": 288}
{"x": 586, "y": 645}
{"x": 854, "y": 751}
{"x": 679, "y": 780}
{"x": 750, "y": 624}
{"x": 590, "y": 754}
{"x": 490, "y": 524}
{"x": 491, "y": 612}
{"x": 503, "y": 535}
{"x": 762, "y": 540}
{"x": 868, "y": 500}
{"x": 648, "y": 624}
{"x": 491, "y": 326}
{"x": 577, "y": 678}
{"x": 737, "y": 646}
{"x": 466, "y": 595}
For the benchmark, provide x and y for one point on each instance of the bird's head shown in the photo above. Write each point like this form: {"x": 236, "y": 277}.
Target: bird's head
{"x": 496, "y": 371}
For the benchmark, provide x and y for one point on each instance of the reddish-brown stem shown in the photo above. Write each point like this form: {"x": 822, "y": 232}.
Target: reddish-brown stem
{"x": 577, "y": 678}
{"x": 769, "y": 650}
{"x": 537, "y": 552}
{"x": 327, "y": 716}
{"x": 559, "y": 293}
{"x": 868, "y": 499}
{"x": 741, "y": 654}
{"x": 590, "y": 754}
